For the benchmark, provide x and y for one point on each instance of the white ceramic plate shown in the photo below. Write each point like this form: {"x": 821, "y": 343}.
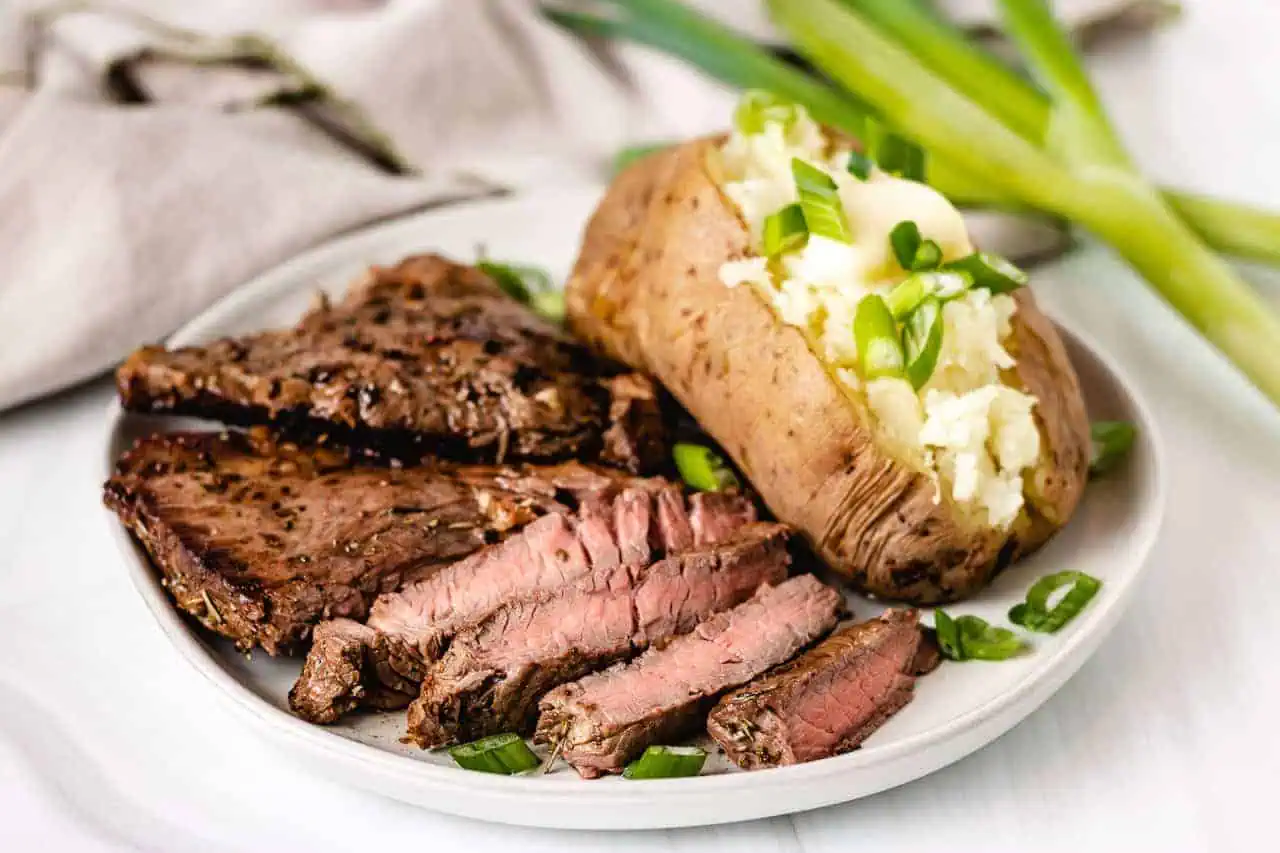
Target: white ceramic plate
{"x": 958, "y": 709}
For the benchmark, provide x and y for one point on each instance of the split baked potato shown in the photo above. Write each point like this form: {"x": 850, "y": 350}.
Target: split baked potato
{"x": 648, "y": 290}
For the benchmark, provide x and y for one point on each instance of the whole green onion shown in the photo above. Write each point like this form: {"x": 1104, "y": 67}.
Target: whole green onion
{"x": 702, "y": 468}
{"x": 820, "y": 201}
{"x": 1034, "y": 614}
{"x": 785, "y": 231}
{"x": 922, "y": 341}
{"x": 876, "y": 334}
{"x": 973, "y": 638}
{"x": 990, "y": 271}
{"x": 1111, "y": 441}
{"x": 506, "y": 754}
{"x": 759, "y": 108}
{"x": 667, "y": 762}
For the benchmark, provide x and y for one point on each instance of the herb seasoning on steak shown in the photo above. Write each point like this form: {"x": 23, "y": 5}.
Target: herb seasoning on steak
{"x": 607, "y": 719}
{"x": 827, "y": 701}
{"x": 492, "y": 676}
{"x": 259, "y": 541}
{"x": 424, "y": 358}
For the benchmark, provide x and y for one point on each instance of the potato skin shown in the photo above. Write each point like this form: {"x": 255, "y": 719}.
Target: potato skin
{"x": 646, "y": 291}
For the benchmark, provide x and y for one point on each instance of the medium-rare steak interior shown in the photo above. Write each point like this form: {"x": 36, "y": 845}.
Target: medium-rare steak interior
{"x": 259, "y": 540}
{"x": 492, "y": 675}
{"x": 409, "y": 628}
{"x": 602, "y": 721}
{"x": 424, "y": 358}
{"x": 827, "y": 701}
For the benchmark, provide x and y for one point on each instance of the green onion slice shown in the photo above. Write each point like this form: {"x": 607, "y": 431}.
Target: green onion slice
{"x": 922, "y": 341}
{"x": 528, "y": 284}
{"x": 820, "y": 201}
{"x": 1034, "y": 614}
{"x": 928, "y": 256}
{"x": 702, "y": 468}
{"x": 972, "y": 638}
{"x": 990, "y": 271}
{"x": 907, "y": 295}
{"x": 1111, "y": 441}
{"x": 904, "y": 239}
{"x": 901, "y": 157}
{"x": 859, "y": 165}
{"x": 759, "y": 108}
{"x": 785, "y": 231}
{"x": 505, "y": 754}
{"x": 876, "y": 333}
{"x": 667, "y": 762}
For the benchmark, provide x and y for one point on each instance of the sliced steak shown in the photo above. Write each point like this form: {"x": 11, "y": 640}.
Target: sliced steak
{"x": 260, "y": 540}
{"x": 412, "y": 626}
{"x": 424, "y": 358}
{"x": 335, "y": 676}
{"x": 492, "y": 676}
{"x": 605, "y": 720}
{"x": 827, "y": 701}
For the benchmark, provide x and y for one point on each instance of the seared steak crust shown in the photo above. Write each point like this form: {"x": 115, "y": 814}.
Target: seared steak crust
{"x": 259, "y": 540}
{"x": 827, "y": 701}
{"x": 601, "y": 722}
{"x": 424, "y": 358}
{"x": 492, "y": 676}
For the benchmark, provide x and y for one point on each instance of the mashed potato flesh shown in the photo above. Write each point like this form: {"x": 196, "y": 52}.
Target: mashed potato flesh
{"x": 976, "y": 436}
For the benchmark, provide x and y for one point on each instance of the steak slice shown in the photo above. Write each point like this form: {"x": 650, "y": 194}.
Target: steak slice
{"x": 827, "y": 701}
{"x": 491, "y": 678}
{"x": 260, "y": 540}
{"x": 424, "y": 358}
{"x": 411, "y": 626}
{"x": 334, "y": 677}
{"x": 605, "y": 720}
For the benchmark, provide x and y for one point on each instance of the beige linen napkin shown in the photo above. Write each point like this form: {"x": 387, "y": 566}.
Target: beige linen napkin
{"x": 136, "y": 188}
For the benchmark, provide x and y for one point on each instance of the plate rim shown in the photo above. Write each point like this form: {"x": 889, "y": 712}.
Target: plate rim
{"x": 1005, "y": 710}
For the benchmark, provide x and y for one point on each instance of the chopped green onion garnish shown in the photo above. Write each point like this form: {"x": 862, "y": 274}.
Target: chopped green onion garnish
{"x": 820, "y": 201}
{"x": 667, "y": 762}
{"x": 907, "y": 295}
{"x": 702, "y": 468}
{"x": 527, "y": 284}
{"x": 898, "y": 156}
{"x": 1111, "y": 441}
{"x": 759, "y": 108}
{"x": 990, "y": 271}
{"x": 876, "y": 333}
{"x": 785, "y": 231}
{"x": 972, "y": 638}
{"x": 1034, "y": 614}
{"x": 505, "y": 754}
{"x": 922, "y": 341}
{"x": 627, "y": 156}
{"x": 859, "y": 165}
{"x": 928, "y": 256}
{"x": 904, "y": 239}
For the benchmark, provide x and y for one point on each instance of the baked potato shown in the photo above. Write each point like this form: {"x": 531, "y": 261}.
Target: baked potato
{"x": 648, "y": 289}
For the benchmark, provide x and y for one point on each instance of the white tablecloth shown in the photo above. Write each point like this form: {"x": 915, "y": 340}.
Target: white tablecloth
{"x": 1165, "y": 741}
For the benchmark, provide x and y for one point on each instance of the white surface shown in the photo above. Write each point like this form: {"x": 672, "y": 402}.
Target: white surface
{"x": 1165, "y": 741}
{"x": 955, "y": 711}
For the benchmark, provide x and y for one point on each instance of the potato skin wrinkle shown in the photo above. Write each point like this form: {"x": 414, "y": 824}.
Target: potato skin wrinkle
{"x": 646, "y": 291}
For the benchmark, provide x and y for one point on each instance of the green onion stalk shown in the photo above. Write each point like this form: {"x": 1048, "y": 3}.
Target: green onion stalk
{"x": 722, "y": 53}
{"x": 994, "y": 139}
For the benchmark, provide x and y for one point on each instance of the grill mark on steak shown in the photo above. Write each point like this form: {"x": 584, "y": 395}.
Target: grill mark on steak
{"x": 411, "y": 627}
{"x": 424, "y": 358}
{"x": 259, "y": 540}
{"x": 491, "y": 678}
{"x": 827, "y": 701}
{"x": 605, "y": 720}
